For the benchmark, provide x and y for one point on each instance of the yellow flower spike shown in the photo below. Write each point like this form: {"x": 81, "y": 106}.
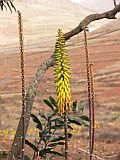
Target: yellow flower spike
{"x": 62, "y": 78}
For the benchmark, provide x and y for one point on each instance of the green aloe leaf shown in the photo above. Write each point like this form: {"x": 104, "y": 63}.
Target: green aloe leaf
{"x": 56, "y": 153}
{"x": 84, "y": 117}
{"x": 46, "y": 131}
{"x": 49, "y": 104}
{"x": 57, "y": 127}
{"x": 53, "y": 101}
{"x": 43, "y": 152}
{"x": 56, "y": 144}
{"x": 31, "y": 145}
{"x": 74, "y": 106}
{"x": 74, "y": 120}
{"x": 58, "y": 121}
{"x": 42, "y": 115}
{"x": 36, "y": 120}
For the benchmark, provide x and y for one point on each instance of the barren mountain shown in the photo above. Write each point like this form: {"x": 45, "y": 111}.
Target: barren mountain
{"x": 112, "y": 26}
{"x": 41, "y": 19}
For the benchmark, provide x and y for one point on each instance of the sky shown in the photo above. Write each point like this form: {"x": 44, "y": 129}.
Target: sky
{"x": 97, "y": 5}
{"x": 76, "y": 1}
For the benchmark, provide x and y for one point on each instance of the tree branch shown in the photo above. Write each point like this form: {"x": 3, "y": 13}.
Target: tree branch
{"x": 93, "y": 17}
{"x": 114, "y": 1}
{"x": 30, "y": 96}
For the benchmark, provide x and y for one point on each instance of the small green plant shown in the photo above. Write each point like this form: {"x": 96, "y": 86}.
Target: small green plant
{"x": 51, "y": 125}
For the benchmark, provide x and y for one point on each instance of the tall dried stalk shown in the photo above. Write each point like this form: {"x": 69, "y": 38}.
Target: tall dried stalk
{"x": 92, "y": 107}
{"x": 89, "y": 94}
{"x": 20, "y": 28}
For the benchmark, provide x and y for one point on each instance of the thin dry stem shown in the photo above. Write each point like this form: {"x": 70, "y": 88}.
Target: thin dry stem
{"x": 22, "y": 80}
{"x": 92, "y": 108}
{"x": 89, "y": 92}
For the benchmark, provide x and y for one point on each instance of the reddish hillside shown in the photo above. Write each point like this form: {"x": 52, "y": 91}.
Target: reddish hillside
{"x": 104, "y": 54}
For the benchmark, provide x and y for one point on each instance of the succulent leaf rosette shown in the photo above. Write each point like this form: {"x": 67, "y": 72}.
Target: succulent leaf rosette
{"x": 62, "y": 72}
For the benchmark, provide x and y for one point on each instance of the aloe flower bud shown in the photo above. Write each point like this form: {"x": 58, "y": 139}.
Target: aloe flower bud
{"x": 62, "y": 78}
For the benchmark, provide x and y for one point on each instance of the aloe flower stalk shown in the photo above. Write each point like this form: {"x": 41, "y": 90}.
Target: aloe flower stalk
{"x": 62, "y": 73}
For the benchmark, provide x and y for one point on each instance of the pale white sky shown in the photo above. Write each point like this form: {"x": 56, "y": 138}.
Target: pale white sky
{"x": 97, "y": 5}
{"x": 76, "y": 0}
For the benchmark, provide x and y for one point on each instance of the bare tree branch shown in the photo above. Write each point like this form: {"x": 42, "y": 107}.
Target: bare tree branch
{"x": 115, "y": 4}
{"x": 30, "y": 96}
{"x": 93, "y": 17}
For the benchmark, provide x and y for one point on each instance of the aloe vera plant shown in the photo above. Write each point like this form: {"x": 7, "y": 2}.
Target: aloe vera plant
{"x": 50, "y": 127}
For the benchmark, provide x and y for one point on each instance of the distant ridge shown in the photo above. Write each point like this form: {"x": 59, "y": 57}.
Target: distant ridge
{"x": 63, "y": 4}
{"x": 98, "y": 5}
{"x": 41, "y": 19}
{"x": 112, "y": 26}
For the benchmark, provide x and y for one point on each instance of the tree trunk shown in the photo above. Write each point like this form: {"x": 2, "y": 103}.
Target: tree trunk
{"x": 17, "y": 143}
